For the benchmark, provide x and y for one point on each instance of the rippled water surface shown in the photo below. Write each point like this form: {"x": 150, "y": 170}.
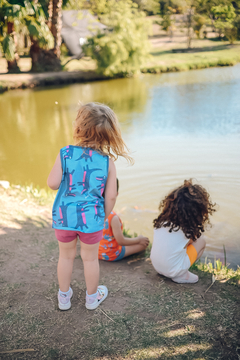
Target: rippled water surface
{"x": 177, "y": 126}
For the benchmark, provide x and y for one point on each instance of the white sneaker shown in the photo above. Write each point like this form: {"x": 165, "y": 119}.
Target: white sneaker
{"x": 64, "y": 301}
{"x": 102, "y": 293}
{"x": 188, "y": 277}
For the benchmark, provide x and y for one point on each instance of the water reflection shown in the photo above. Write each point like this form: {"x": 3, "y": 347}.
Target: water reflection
{"x": 38, "y": 123}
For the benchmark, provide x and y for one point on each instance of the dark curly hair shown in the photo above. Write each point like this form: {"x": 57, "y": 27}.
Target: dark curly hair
{"x": 187, "y": 208}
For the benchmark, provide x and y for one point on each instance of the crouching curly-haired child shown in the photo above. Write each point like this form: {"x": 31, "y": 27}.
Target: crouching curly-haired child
{"x": 178, "y": 240}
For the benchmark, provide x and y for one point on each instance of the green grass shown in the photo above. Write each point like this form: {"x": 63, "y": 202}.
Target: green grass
{"x": 30, "y": 192}
{"x": 220, "y": 271}
{"x": 167, "y": 61}
{"x": 84, "y": 64}
{"x": 145, "y": 317}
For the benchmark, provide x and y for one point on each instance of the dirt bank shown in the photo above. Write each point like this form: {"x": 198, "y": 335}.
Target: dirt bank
{"x": 145, "y": 316}
{"x": 31, "y": 80}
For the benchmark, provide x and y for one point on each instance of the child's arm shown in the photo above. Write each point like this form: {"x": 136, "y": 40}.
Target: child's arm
{"x": 55, "y": 176}
{"x": 124, "y": 241}
{"x": 110, "y": 189}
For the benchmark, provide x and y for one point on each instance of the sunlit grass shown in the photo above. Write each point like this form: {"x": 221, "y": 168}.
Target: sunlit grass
{"x": 85, "y": 64}
{"x": 178, "y": 332}
{"x": 195, "y": 314}
{"x": 220, "y": 271}
{"x": 41, "y": 196}
{"x": 167, "y": 61}
{"x": 165, "y": 352}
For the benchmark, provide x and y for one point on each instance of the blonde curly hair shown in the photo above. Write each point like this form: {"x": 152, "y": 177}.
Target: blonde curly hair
{"x": 96, "y": 127}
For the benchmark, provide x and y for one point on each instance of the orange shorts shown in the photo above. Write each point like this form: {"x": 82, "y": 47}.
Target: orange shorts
{"x": 192, "y": 253}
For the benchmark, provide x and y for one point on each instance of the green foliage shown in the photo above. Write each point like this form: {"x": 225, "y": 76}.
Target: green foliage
{"x": 166, "y": 21}
{"x": 28, "y": 15}
{"x": 40, "y": 32}
{"x": 124, "y": 47}
{"x": 224, "y": 16}
{"x": 223, "y": 12}
{"x": 174, "y": 6}
{"x": 236, "y": 24}
{"x": 150, "y": 6}
{"x": 8, "y": 47}
{"x": 199, "y": 22}
{"x": 231, "y": 33}
{"x": 219, "y": 270}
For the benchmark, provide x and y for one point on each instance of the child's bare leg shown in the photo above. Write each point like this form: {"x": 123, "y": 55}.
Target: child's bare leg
{"x": 134, "y": 249}
{"x": 89, "y": 255}
{"x": 67, "y": 253}
{"x": 199, "y": 245}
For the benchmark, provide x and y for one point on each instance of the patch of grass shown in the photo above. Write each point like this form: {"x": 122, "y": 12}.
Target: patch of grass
{"x": 3, "y": 87}
{"x": 14, "y": 286}
{"x": 158, "y": 324}
{"x": 53, "y": 354}
{"x": 29, "y": 192}
{"x": 219, "y": 270}
{"x": 34, "y": 266}
{"x": 42, "y": 196}
{"x": 166, "y": 61}
{"x": 85, "y": 64}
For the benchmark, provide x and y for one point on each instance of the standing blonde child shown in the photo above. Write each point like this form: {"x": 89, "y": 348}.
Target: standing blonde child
{"x": 81, "y": 174}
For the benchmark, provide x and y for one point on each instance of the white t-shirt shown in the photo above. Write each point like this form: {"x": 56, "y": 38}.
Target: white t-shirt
{"x": 168, "y": 255}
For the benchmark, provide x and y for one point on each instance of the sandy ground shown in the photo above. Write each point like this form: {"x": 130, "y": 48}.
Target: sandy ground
{"x": 146, "y": 316}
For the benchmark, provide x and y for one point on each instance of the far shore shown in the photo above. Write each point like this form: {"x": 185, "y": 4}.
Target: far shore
{"x": 168, "y": 54}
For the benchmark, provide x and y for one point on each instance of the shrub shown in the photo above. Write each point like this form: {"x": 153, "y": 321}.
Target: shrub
{"x": 124, "y": 47}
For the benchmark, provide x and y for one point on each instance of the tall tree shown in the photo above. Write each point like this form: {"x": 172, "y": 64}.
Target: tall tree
{"x": 55, "y": 24}
{"x": 224, "y": 21}
{"x": 8, "y": 21}
{"x": 18, "y": 13}
{"x": 48, "y": 59}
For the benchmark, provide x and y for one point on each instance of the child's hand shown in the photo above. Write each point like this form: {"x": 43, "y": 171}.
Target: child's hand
{"x": 143, "y": 240}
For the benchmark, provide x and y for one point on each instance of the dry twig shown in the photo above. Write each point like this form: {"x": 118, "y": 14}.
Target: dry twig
{"x": 107, "y": 315}
{"x": 15, "y": 351}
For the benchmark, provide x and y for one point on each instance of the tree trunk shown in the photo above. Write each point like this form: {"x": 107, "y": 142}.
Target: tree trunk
{"x": 12, "y": 64}
{"x": 50, "y": 14}
{"x": 43, "y": 60}
{"x": 189, "y": 27}
{"x": 49, "y": 60}
{"x": 35, "y": 51}
{"x": 56, "y": 25}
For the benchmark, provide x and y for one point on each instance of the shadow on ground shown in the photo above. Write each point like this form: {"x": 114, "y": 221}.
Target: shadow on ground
{"x": 194, "y": 50}
{"x": 146, "y": 316}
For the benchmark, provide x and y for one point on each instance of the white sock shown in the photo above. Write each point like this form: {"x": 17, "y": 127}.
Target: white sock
{"x": 65, "y": 293}
{"x": 91, "y": 298}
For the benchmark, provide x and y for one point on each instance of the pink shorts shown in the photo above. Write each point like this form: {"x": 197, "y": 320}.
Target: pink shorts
{"x": 68, "y": 236}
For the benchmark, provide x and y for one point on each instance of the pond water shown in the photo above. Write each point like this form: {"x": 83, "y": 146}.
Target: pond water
{"x": 177, "y": 126}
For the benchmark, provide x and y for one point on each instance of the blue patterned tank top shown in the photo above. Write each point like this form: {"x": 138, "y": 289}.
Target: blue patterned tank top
{"x": 79, "y": 204}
